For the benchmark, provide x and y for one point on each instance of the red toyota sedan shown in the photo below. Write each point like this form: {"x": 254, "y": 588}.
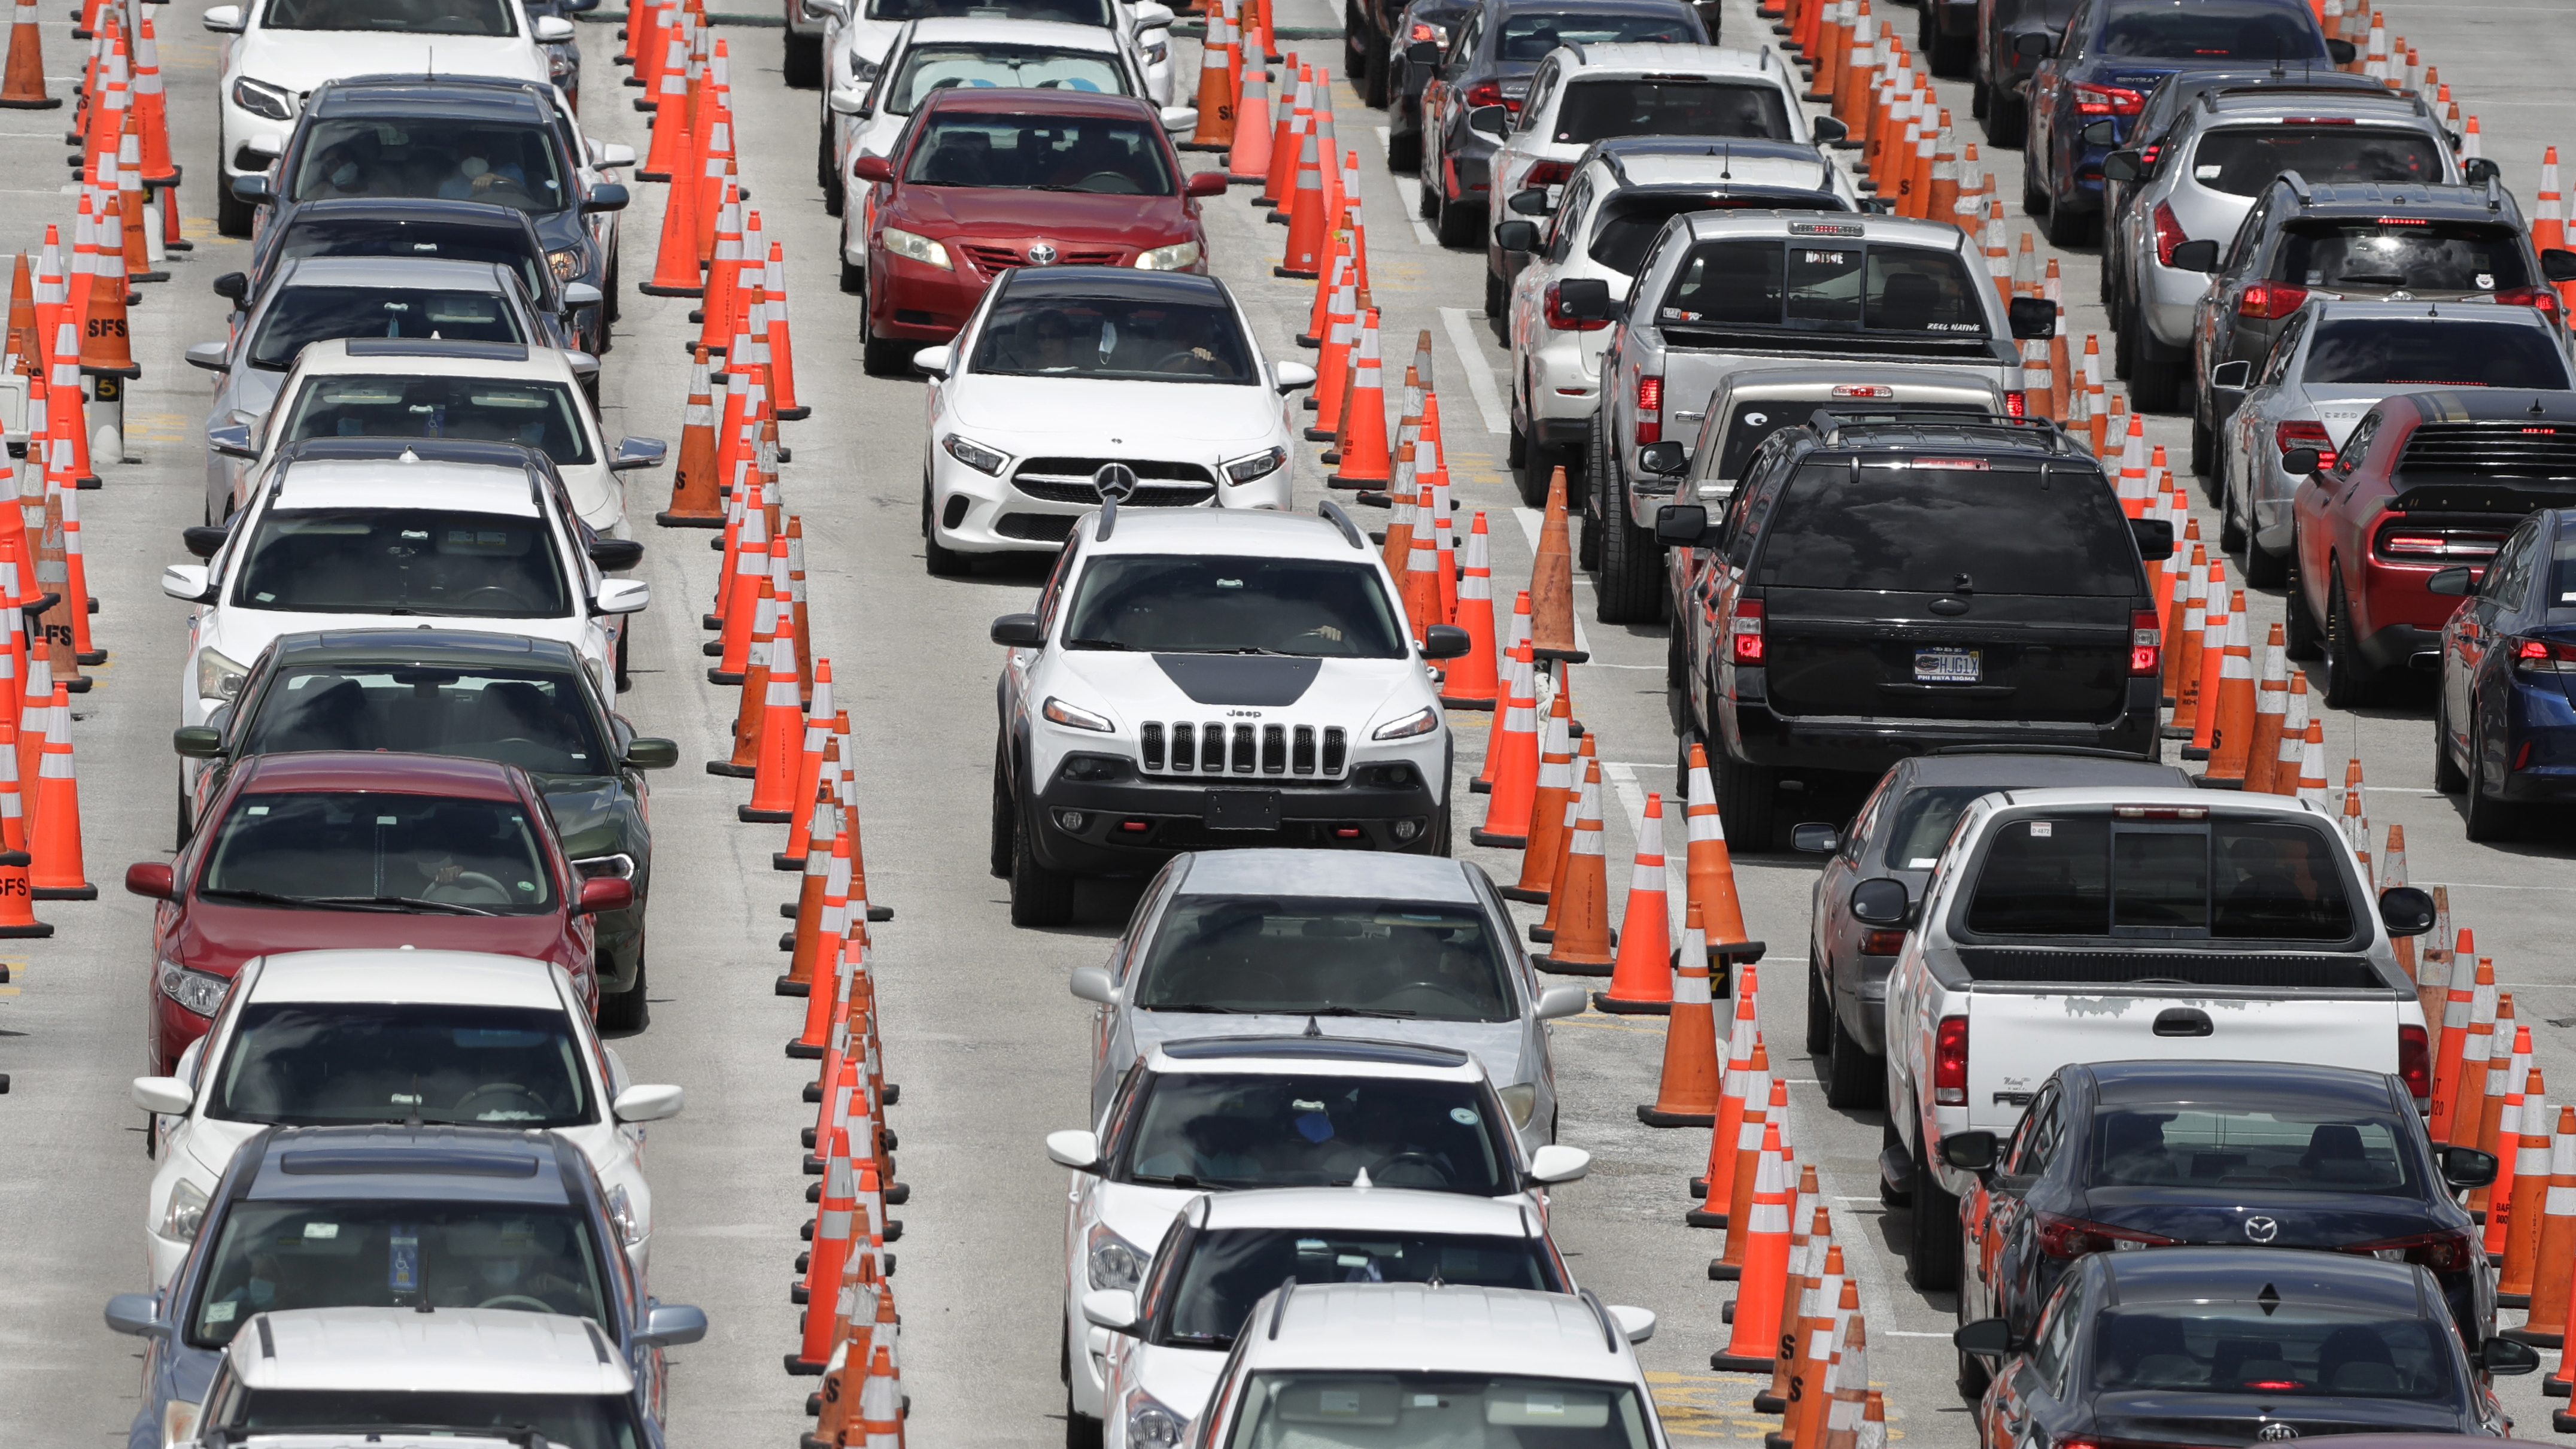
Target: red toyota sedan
{"x": 346, "y": 849}
{"x": 988, "y": 179}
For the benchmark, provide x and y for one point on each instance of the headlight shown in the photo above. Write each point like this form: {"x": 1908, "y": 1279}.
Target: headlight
{"x": 975, "y": 455}
{"x": 186, "y": 1213}
{"x": 919, "y": 248}
{"x": 194, "y": 990}
{"x": 1081, "y": 719}
{"x": 262, "y": 99}
{"x": 621, "y": 1211}
{"x": 1421, "y": 722}
{"x": 1518, "y": 1100}
{"x": 1169, "y": 259}
{"x": 1114, "y": 1262}
{"x": 179, "y": 1422}
{"x": 605, "y": 867}
{"x": 567, "y": 263}
{"x": 1150, "y": 1425}
{"x": 1259, "y": 465}
{"x": 219, "y": 677}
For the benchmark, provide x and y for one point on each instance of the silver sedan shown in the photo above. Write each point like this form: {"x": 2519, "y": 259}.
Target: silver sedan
{"x": 1333, "y": 943}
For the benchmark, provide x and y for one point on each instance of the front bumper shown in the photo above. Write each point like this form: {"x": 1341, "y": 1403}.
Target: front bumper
{"x": 975, "y": 512}
{"x": 1174, "y": 815}
{"x": 918, "y": 301}
{"x": 1869, "y": 744}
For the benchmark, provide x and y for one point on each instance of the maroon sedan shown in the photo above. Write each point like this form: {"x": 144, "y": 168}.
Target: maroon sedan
{"x": 345, "y": 849}
{"x": 985, "y": 180}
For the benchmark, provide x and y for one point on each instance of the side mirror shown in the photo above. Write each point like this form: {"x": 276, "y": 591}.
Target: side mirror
{"x": 1180, "y": 118}
{"x": 1110, "y": 1308}
{"x": 2405, "y": 911}
{"x": 551, "y": 30}
{"x": 152, "y": 879}
{"x": 2502, "y": 1355}
{"x": 2466, "y": 1167}
{"x": 1205, "y": 183}
{"x": 1446, "y": 641}
{"x": 851, "y": 101}
{"x": 194, "y": 742}
{"x": 934, "y": 361}
{"x": 580, "y": 294}
{"x": 1092, "y": 983}
{"x": 188, "y": 583}
{"x": 615, "y": 554}
{"x": 209, "y": 355}
{"x": 1019, "y": 631}
{"x": 168, "y": 1096}
{"x": 2233, "y": 376}
{"x": 1077, "y": 1150}
{"x": 1489, "y": 120}
{"x": 1532, "y": 202}
{"x": 2557, "y": 264}
{"x": 1516, "y": 235}
{"x": 872, "y": 168}
{"x": 2342, "y": 52}
{"x": 2036, "y": 46}
{"x": 2155, "y": 538}
{"x": 2299, "y": 460}
{"x": 1665, "y": 459}
{"x": 1556, "y": 1163}
{"x": 1635, "y": 1324}
{"x": 203, "y": 540}
{"x": 2196, "y": 256}
{"x": 604, "y": 893}
{"x": 222, "y": 19}
{"x": 622, "y": 596}
{"x": 2453, "y": 580}
{"x": 1827, "y": 130}
{"x": 584, "y": 365}
{"x": 1559, "y": 1002}
{"x": 1585, "y": 299}
{"x": 667, "y": 1325}
{"x": 1420, "y": 52}
{"x": 825, "y": 9}
{"x": 1150, "y": 16}
{"x": 2119, "y": 165}
{"x": 638, "y": 453}
{"x": 646, "y": 1104}
{"x": 1969, "y": 1151}
{"x": 2102, "y": 133}
{"x": 646, "y": 752}
{"x": 613, "y": 155}
{"x": 1293, "y": 376}
{"x": 1987, "y": 1337}
{"x": 1815, "y": 838}
{"x": 2031, "y": 317}
{"x": 1881, "y": 902}
{"x": 231, "y": 440}
{"x": 1682, "y": 525}
{"x": 133, "y": 1312}
{"x": 252, "y": 186}
{"x": 2479, "y": 170}
{"x": 233, "y": 287}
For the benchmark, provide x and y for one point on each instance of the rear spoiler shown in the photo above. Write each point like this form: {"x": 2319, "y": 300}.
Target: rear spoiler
{"x": 2489, "y": 497}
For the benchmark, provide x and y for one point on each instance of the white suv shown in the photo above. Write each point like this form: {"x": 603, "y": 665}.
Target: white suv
{"x": 1194, "y": 679}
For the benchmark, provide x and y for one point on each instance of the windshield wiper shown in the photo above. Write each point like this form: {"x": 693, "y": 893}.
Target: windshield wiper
{"x": 1387, "y": 1012}
{"x": 265, "y": 898}
{"x": 1177, "y": 1179}
{"x": 1229, "y": 1010}
{"x": 401, "y": 903}
{"x": 1099, "y": 644}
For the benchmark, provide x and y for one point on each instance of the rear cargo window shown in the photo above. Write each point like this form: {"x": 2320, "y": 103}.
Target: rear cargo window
{"x": 1670, "y": 106}
{"x": 1629, "y": 223}
{"x": 2451, "y": 352}
{"x": 1917, "y": 529}
{"x": 1755, "y": 419}
{"x": 2243, "y": 162}
{"x": 2221, "y": 880}
{"x": 2399, "y": 251}
{"x": 1826, "y": 285}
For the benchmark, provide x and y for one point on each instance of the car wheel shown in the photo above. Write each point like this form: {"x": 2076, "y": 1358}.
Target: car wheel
{"x": 2204, "y": 441}
{"x": 1977, "y": 102}
{"x": 1497, "y": 308}
{"x": 1370, "y": 75}
{"x": 1746, "y": 798}
{"x": 610, "y": 307}
{"x": 1820, "y": 1008}
{"x": 1460, "y": 224}
{"x": 854, "y": 280}
{"x": 836, "y": 193}
{"x": 2067, "y": 227}
{"x": 1039, "y": 896}
{"x": 1952, "y": 56}
{"x": 1005, "y": 819}
{"x": 1441, "y": 836}
{"x": 2264, "y": 569}
{"x": 937, "y": 559}
{"x": 2034, "y": 191}
{"x": 626, "y": 1010}
{"x": 1853, "y": 1078}
{"x": 1974, "y": 1374}
{"x": 801, "y": 66}
{"x": 2155, "y": 381}
{"x": 1677, "y": 676}
{"x": 233, "y": 216}
{"x": 1932, "y": 1249}
{"x": 1081, "y": 1431}
{"x": 2350, "y": 681}
{"x": 1427, "y": 163}
{"x": 1404, "y": 153}
{"x": 2448, "y": 777}
{"x": 1516, "y": 448}
{"x": 1629, "y": 588}
{"x": 2299, "y": 636}
{"x": 1587, "y": 542}
{"x": 886, "y": 356}
{"x": 2488, "y": 818}
{"x": 2007, "y": 117}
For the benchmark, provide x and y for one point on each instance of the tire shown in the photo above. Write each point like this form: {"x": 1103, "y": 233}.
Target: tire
{"x": 1587, "y": 541}
{"x": 1974, "y": 1375}
{"x": 1630, "y": 586}
{"x": 2299, "y": 636}
{"x": 1443, "y": 838}
{"x": 180, "y": 831}
{"x": 854, "y": 280}
{"x": 1932, "y": 1249}
{"x": 1039, "y": 896}
{"x": 612, "y": 303}
{"x": 1005, "y": 819}
{"x": 2263, "y": 569}
{"x": 1375, "y": 86}
{"x": 2487, "y": 817}
{"x": 937, "y": 559}
{"x": 1497, "y": 305}
{"x": 627, "y": 1010}
{"x": 1426, "y": 163}
{"x": 1853, "y": 1078}
{"x": 1951, "y": 57}
{"x": 2350, "y": 681}
{"x": 1820, "y": 1009}
{"x": 1404, "y": 154}
{"x": 887, "y": 356}
{"x": 2034, "y": 196}
{"x": 2204, "y": 448}
{"x": 1081, "y": 1431}
{"x": 233, "y": 216}
{"x": 2006, "y": 117}
{"x": 801, "y": 64}
{"x": 1747, "y": 801}
{"x": 2155, "y": 383}
{"x": 1457, "y": 224}
{"x": 2067, "y": 227}
{"x": 1977, "y": 101}
{"x": 2448, "y": 777}
{"x": 1534, "y": 475}
{"x": 1677, "y": 672}
{"x": 836, "y": 192}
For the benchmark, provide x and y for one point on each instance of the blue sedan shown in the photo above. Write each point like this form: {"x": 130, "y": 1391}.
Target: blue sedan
{"x": 2504, "y": 728}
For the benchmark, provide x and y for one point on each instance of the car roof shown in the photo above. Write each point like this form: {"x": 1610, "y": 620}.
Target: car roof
{"x": 2231, "y": 104}
{"x": 1859, "y": 226}
{"x": 424, "y": 646}
{"x": 487, "y": 1350}
{"x": 408, "y": 977}
{"x": 479, "y": 452}
{"x": 1308, "y": 1055}
{"x": 2300, "y": 1276}
{"x": 1259, "y": 532}
{"x": 2031, "y": 437}
{"x": 1125, "y": 284}
{"x": 1391, "y": 1209}
{"x": 2372, "y": 309}
{"x": 384, "y": 770}
{"x": 382, "y": 1162}
{"x": 2086, "y": 797}
{"x": 445, "y": 98}
{"x": 2355, "y": 198}
{"x": 2009, "y": 771}
{"x": 1667, "y": 56}
{"x": 1053, "y": 34}
{"x": 1414, "y": 1326}
{"x": 1718, "y": 166}
{"x": 2488, "y": 404}
{"x": 1374, "y": 875}
{"x": 1749, "y": 382}
{"x": 434, "y": 357}
{"x": 1504, "y": 9}
{"x": 452, "y": 487}
{"x": 436, "y": 274}
{"x": 2238, "y": 1084}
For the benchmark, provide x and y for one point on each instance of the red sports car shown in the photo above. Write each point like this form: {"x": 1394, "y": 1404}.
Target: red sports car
{"x": 985, "y": 180}
{"x": 331, "y": 849}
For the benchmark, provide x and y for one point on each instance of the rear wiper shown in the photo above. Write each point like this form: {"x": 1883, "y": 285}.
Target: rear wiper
{"x": 401, "y": 903}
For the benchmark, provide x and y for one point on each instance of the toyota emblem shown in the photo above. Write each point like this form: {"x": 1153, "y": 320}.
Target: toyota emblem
{"x": 2275, "y": 1431}
{"x": 2263, "y": 1230}
{"x": 1042, "y": 255}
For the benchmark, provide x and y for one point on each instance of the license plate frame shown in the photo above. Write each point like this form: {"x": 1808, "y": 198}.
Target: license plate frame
{"x": 1949, "y": 664}
{"x": 1242, "y": 810}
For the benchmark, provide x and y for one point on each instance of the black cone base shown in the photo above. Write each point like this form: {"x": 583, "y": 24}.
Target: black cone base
{"x": 1653, "y": 1118}
{"x": 1604, "y": 1001}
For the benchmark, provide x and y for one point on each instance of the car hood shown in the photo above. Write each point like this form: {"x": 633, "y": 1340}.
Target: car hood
{"x": 2339, "y": 407}
{"x": 1348, "y": 692}
{"x": 1080, "y": 217}
{"x": 2297, "y": 1219}
{"x": 1180, "y": 1379}
{"x": 1081, "y": 416}
{"x": 2187, "y": 1418}
{"x": 1496, "y": 1044}
{"x": 299, "y": 60}
{"x": 218, "y": 938}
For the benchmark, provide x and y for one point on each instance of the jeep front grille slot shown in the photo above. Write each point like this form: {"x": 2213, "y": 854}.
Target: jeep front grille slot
{"x": 1274, "y": 749}
{"x": 1301, "y": 755}
{"x": 1336, "y": 751}
{"x": 1149, "y": 745}
{"x": 1245, "y": 751}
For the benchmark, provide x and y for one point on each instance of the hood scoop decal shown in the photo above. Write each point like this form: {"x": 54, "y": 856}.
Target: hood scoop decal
{"x": 1241, "y": 679}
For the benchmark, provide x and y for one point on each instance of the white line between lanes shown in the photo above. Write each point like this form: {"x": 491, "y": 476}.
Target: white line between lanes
{"x": 1471, "y": 361}
{"x": 1410, "y": 188}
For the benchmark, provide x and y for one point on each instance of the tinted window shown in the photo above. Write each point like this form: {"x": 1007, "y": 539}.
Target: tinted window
{"x": 315, "y": 314}
{"x": 1923, "y": 821}
{"x": 351, "y": 237}
{"x": 2243, "y": 162}
{"x": 1231, "y": 1268}
{"x": 414, "y": 17}
{"x": 2207, "y": 31}
{"x": 1069, "y": 12}
{"x": 1040, "y": 153}
{"x": 1326, "y": 955}
{"x": 2230, "y": 879}
{"x": 936, "y": 67}
{"x": 1105, "y": 337}
{"x": 501, "y": 162}
{"x": 573, "y": 1421}
{"x": 1597, "y": 109}
{"x": 1529, "y": 36}
{"x": 315, "y": 1064}
{"x": 365, "y": 1253}
{"x": 1629, "y": 224}
{"x": 539, "y": 415}
{"x": 402, "y": 561}
{"x": 1287, "y": 1129}
{"x": 1184, "y": 605}
{"x": 2245, "y": 1147}
{"x": 2562, "y": 573}
{"x": 1366, "y": 1410}
{"x": 2441, "y": 256}
{"x": 1756, "y": 419}
{"x": 2007, "y": 529}
{"x": 2453, "y": 352}
{"x": 370, "y": 849}
{"x": 1826, "y": 285}
{"x": 2279, "y": 1350}
{"x": 535, "y": 719}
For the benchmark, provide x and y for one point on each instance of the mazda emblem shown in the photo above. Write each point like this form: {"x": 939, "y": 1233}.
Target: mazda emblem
{"x": 2276, "y": 1431}
{"x": 2263, "y": 1230}
{"x": 1042, "y": 255}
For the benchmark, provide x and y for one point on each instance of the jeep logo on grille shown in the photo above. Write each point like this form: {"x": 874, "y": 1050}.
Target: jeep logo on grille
{"x": 1243, "y": 714}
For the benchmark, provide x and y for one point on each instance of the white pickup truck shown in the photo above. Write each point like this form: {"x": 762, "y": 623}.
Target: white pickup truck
{"x": 2105, "y": 924}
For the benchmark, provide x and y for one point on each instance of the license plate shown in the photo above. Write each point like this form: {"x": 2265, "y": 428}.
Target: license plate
{"x": 1946, "y": 666}
{"x": 1243, "y": 810}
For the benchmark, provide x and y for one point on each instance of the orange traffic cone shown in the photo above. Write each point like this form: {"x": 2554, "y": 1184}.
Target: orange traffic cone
{"x": 1517, "y": 682}
{"x": 1770, "y": 1108}
{"x": 2456, "y": 1012}
{"x": 2271, "y": 709}
{"x": 1215, "y": 131}
{"x": 826, "y": 876}
{"x": 1744, "y": 1034}
{"x": 1552, "y": 583}
{"x": 1688, "y": 1094}
{"x": 1842, "y": 1415}
{"x": 675, "y": 262}
{"x": 1712, "y": 871}
{"x": 831, "y": 1251}
{"x": 780, "y": 755}
{"x": 1580, "y": 906}
{"x": 1468, "y": 682}
{"x": 55, "y": 840}
{"x": 1641, "y": 977}
{"x": 1507, "y": 811}
{"x": 2503, "y": 1141}
{"x": 17, "y": 910}
{"x": 2531, "y": 1173}
{"x": 748, "y": 572}
{"x": 2556, "y": 1250}
{"x": 2233, "y": 725}
{"x": 1306, "y": 218}
{"x": 1288, "y": 138}
{"x": 817, "y": 768}
{"x": 695, "y": 502}
{"x": 1421, "y": 588}
{"x": 1364, "y": 457}
{"x": 1249, "y": 161}
{"x": 782, "y": 352}
{"x": 1549, "y": 812}
{"x": 1766, "y": 1267}
{"x": 880, "y": 1404}
{"x": 22, "y": 84}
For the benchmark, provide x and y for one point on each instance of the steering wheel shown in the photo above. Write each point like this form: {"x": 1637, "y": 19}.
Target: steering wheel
{"x": 1119, "y": 183}
{"x": 1423, "y": 1159}
{"x": 539, "y": 1304}
{"x": 1179, "y": 359}
{"x": 498, "y": 1088}
{"x": 509, "y": 597}
{"x": 474, "y": 878}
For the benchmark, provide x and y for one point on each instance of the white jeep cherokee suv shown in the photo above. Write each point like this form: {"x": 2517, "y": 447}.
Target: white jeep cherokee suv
{"x": 1198, "y": 679}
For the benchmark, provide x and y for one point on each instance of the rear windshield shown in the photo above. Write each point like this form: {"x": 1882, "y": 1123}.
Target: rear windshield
{"x": 535, "y": 719}
{"x": 2278, "y": 1350}
{"x": 1327, "y": 955}
{"x": 1929, "y": 528}
{"x": 2243, "y": 162}
{"x": 1629, "y": 224}
{"x": 2449, "y": 256}
{"x": 1531, "y": 35}
{"x": 2089, "y": 875}
{"x": 1068, "y": 12}
{"x": 2206, "y": 32}
{"x": 1827, "y": 286}
{"x": 1754, "y": 420}
{"x": 1284, "y": 1129}
{"x": 2452, "y": 352}
{"x": 352, "y": 237}
{"x": 1670, "y": 106}
{"x": 318, "y": 314}
{"x": 2232, "y": 1148}
{"x": 539, "y": 415}
{"x": 1230, "y": 1268}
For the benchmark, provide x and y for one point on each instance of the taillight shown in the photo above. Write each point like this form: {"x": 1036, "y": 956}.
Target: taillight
{"x": 2542, "y": 298}
{"x": 2146, "y": 643}
{"x": 2415, "y": 1062}
{"x": 2543, "y": 656}
{"x": 1863, "y": 389}
{"x": 1549, "y": 173}
{"x": 2270, "y": 301}
{"x": 2403, "y": 542}
{"x": 2443, "y": 1252}
{"x": 2064, "y": 1237}
{"x": 1744, "y": 632}
{"x": 1650, "y": 410}
{"x": 1490, "y": 93}
{"x": 1882, "y": 943}
{"x": 2169, "y": 234}
{"x": 2305, "y": 433}
{"x": 2017, "y": 404}
{"x": 1950, "y": 1062}
{"x": 1559, "y": 320}
{"x": 2107, "y": 101}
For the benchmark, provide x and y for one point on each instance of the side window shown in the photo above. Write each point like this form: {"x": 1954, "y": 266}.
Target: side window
{"x": 2056, "y": 1341}
{"x": 1755, "y": 497}
{"x": 1654, "y": 254}
{"x": 1570, "y": 218}
{"x": 2043, "y": 1127}
{"x": 2509, "y": 577}
{"x": 1541, "y": 91}
{"x": 1468, "y": 35}
{"x": 1122, "y": 1106}
{"x": 1865, "y": 824}
{"x": 1057, "y": 577}
{"x": 2285, "y": 347}
{"x": 2248, "y": 233}
{"x": 2356, "y": 446}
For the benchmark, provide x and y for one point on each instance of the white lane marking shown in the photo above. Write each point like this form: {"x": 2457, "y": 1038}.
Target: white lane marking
{"x": 1623, "y": 778}
{"x": 1531, "y": 520}
{"x": 1409, "y": 188}
{"x": 1596, "y": 664}
{"x": 1480, "y": 377}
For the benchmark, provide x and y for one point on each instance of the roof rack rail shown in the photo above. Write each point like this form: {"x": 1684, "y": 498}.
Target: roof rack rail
{"x": 1329, "y": 509}
{"x": 1610, "y": 1335}
{"x": 1279, "y": 1310}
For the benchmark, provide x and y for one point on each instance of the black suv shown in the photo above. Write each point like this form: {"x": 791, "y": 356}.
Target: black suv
{"x": 2401, "y": 241}
{"x": 1882, "y": 589}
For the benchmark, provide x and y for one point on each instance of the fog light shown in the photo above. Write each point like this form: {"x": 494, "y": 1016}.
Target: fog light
{"x": 1407, "y": 829}
{"x": 1070, "y": 819}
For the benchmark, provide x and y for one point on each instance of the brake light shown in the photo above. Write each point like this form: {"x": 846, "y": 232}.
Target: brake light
{"x": 2443, "y": 1252}
{"x": 1650, "y": 410}
{"x": 1490, "y": 93}
{"x": 2017, "y": 404}
{"x": 2270, "y": 301}
{"x": 1882, "y": 943}
{"x": 2169, "y": 234}
{"x": 2319, "y": 121}
{"x": 1863, "y": 389}
{"x": 1558, "y": 320}
{"x": 2064, "y": 1237}
{"x": 2160, "y": 812}
{"x": 1549, "y": 173}
{"x": 2107, "y": 101}
{"x": 1950, "y": 1062}
{"x": 2543, "y": 656}
{"x": 2541, "y": 298}
{"x": 2305, "y": 433}
{"x": 2403, "y": 544}
{"x": 2146, "y": 643}
{"x": 1744, "y": 632}
{"x": 2415, "y": 1062}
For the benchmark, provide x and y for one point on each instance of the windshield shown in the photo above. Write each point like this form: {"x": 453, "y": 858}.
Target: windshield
{"x": 2392, "y": 252}
{"x": 936, "y": 67}
{"x": 311, "y": 1064}
{"x": 568, "y": 1421}
{"x": 2242, "y": 163}
{"x": 1098, "y": 337}
{"x": 2206, "y": 32}
{"x": 501, "y": 162}
{"x": 1328, "y": 955}
{"x": 367, "y": 1252}
{"x": 350, "y": 237}
{"x": 2272, "y": 1349}
{"x": 2453, "y": 352}
{"x": 1923, "y": 821}
{"x": 402, "y": 561}
{"x": 2235, "y": 1148}
{"x": 1754, "y": 420}
{"x": 1230, "y": 1268}
{"x": 2219, "y": 879}
{"x": 1530, "y": 36}
{"x": 1041, "y": 153}
{"x": 1366, "y": 1411}
{"x": 1290, "y": 1130}
{"x": 1177, "y": 604}
{"x": 360, "y": 849}
{"x": 413, "y": 17}
{"x": 540, "y": 415}
{"x": 2002, "y": 528}
{"x": 1068, "y": 12}
{"x": 1829, "y": 287}
{"x": 1670, "y": 106}
{"x": 538, "y": 720}
{"x": 317, "y": 314}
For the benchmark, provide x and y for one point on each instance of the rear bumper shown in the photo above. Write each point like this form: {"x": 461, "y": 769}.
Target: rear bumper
{"x": 2393, "y": 646}
{"x": 1754, "y": 733}
{"x": 2540, "y": 744}
{"x": 1175, "y": 819}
